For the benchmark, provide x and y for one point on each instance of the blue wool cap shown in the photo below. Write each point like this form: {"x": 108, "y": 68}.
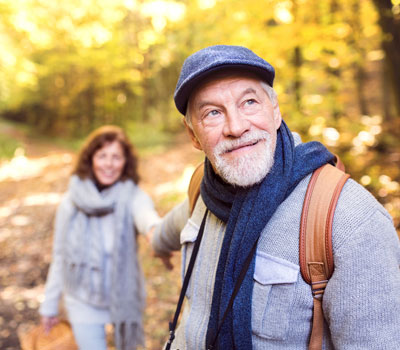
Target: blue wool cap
{"x": 214, "y": 58}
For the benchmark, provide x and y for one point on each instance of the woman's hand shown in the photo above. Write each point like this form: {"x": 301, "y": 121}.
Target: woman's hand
{"x": 48, "y": 322}
{"x": 166, "y": 259}
{"x": 150, "y": 234}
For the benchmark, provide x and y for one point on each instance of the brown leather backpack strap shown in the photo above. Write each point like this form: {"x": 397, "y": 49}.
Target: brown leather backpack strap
{"x": 194, "y": 186}
{"x": 338, "y": 163}
{"x": 316, "y": 257}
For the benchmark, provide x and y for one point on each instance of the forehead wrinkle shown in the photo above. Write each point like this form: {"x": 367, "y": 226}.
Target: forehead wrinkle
{"x": 199, "y": 105}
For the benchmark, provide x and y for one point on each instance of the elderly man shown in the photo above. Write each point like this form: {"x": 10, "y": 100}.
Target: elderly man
{"x": 255, "y": 178}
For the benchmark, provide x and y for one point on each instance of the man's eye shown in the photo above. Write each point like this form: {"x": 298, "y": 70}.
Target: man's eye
{"x": 250, "y": 102}
{"x": 212, "y": 113}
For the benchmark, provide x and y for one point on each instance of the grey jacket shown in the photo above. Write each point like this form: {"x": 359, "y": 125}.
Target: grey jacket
{"x": 362, "y": 299}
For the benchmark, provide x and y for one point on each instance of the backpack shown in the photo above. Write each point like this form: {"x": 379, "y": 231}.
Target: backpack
{"x": 315, "y": 242}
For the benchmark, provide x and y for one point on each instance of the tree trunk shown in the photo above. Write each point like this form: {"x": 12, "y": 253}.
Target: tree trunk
{"x": 145, "y": 88}
{"x": 333, "y": 72}
{"x": 360, "y": 82}
{"x": 297, "y": 63}
{"x": 359, "y": 64}
{"x": 390, "y": 26}
{"x": 297, "y": 76}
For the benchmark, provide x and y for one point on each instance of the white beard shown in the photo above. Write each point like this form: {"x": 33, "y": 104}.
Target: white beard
{"x": 250, "y": 168}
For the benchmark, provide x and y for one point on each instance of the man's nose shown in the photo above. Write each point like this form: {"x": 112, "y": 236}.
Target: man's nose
{"x": 235, "y": 124}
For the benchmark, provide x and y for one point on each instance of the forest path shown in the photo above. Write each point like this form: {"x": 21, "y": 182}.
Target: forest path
{"x": 31, "y": 186}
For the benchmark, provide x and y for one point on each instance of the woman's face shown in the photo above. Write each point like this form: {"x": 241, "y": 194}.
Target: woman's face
{"x": 108, "y": 163}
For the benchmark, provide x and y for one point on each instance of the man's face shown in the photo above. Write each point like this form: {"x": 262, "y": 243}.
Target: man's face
{"x": 235, "y": 123}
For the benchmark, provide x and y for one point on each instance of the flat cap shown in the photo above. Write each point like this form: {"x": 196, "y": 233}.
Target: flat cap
{"x": 212, "y": 59}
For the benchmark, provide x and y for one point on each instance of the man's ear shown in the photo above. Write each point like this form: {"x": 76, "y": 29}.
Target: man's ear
{"x": 195, "y": 141}
{"x": 277, "y": 116}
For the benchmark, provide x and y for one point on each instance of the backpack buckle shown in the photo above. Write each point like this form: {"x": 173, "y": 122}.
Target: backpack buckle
{"x": 318, "y": 288}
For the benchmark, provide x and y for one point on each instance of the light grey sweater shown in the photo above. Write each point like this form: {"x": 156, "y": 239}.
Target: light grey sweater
{"x": 362, "y": 299}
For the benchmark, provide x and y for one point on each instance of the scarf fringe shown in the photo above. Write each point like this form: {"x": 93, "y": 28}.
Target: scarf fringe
{"x": 128, "y": 336}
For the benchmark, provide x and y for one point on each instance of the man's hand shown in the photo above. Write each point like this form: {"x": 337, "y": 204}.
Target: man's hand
{"x": 166, "y": 259}
{"x": 48, "y": 322}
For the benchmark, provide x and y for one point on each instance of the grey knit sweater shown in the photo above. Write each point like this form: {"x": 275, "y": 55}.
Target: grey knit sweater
{"x": 362, "y": 299}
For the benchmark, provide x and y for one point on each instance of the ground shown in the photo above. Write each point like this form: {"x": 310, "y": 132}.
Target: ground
{"x": 31, "y": 185}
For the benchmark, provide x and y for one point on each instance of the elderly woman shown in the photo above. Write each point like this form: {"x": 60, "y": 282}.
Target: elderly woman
{"x": 95, "y": 264}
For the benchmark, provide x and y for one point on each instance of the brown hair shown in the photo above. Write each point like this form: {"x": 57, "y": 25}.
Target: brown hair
{"x": 96, "y": 140}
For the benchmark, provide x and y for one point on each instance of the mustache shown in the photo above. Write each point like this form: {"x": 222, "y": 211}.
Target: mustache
{"x": 249, "y": 138}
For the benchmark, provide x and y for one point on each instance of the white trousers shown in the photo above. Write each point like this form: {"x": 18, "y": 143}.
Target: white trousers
{"x": 90, "y": 336}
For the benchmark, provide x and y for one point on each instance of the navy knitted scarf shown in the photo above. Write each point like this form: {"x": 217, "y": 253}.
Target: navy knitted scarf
{"x": 246, "y": 211}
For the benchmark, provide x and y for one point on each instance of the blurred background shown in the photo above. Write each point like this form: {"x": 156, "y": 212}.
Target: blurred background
{"x": 67, "y": 67}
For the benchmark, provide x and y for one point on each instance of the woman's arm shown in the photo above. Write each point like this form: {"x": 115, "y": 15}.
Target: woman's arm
{"x": 144, "y": 213}
{"x": 54, "y": 282}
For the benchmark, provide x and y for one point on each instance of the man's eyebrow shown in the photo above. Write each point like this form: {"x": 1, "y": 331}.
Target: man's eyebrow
{"x": 248, "y": 91}
{"x": 202, "y": 104}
